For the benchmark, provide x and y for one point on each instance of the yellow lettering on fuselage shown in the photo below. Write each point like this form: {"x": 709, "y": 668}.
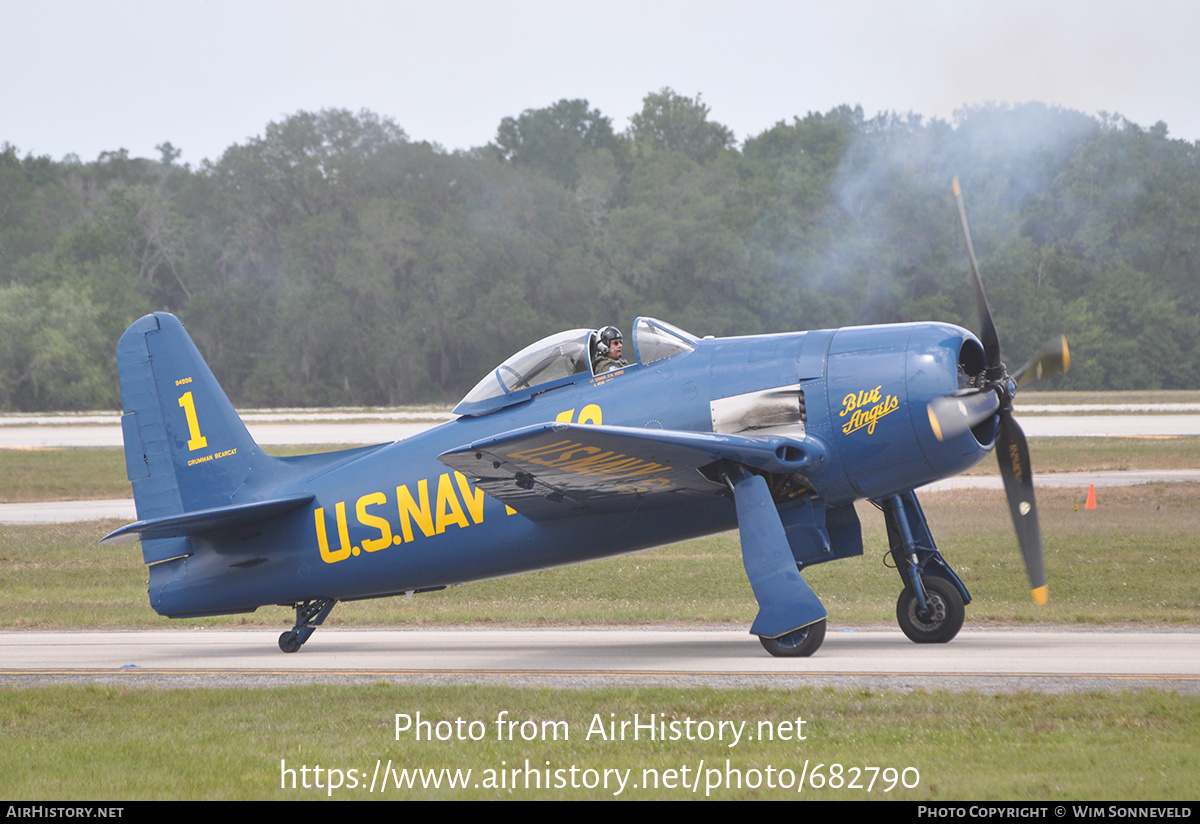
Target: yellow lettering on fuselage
{"x": 449, "y": 510}
{"x": 589, "y": 414}
{"x": 857, "y": 400}
{"x": 455, "y": 499}
{"x": 367, "y": 519}
{"x": 473, "y": 498}
{"x": 855, "y": 405}
{"x": 422, "y": 513}
{"x": 343, "y": 534}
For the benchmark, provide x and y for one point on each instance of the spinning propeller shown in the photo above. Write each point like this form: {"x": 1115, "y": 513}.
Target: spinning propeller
{"x": 953, "y": 414}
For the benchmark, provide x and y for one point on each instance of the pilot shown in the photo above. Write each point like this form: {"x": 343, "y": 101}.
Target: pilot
{"x": 608, "y": 351}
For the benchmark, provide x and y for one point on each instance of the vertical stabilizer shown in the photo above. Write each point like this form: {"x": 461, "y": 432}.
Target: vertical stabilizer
{"x": 185, "y": 446}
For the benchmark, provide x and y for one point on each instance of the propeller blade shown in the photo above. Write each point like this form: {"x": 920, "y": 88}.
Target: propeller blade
{"x": 987, "y": 326}
{"x": 1053, "y": 358}
{"x": 952, "y": 415}
{"x": 1012, "y": 450}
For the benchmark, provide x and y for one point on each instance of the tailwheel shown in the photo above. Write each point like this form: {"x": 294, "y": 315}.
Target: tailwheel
{"x": 941, "y": 622}
{"x": 309, "y": 615}
{"x": 799, "y": 643}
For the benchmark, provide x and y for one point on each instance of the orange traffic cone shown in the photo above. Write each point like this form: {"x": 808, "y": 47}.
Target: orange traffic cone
{"x": 1091, "y": 501}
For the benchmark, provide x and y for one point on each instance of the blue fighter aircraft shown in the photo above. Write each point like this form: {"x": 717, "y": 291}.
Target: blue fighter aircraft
{"x": 549, "y": 463}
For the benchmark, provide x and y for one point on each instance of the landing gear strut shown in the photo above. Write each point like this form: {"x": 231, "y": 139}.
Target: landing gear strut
{"x": 791, "y": 618}
{"x": 309, "y": 616}
{"x": 930, "y": 609}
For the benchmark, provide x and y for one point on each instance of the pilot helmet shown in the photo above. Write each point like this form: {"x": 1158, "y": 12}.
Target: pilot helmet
{"x": 606, "y": 336}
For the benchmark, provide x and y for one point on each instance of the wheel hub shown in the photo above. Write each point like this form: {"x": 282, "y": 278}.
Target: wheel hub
{"x": 799, "y": 643}
{"x": 793, "y": 639}
{"x": 934, "y": 616}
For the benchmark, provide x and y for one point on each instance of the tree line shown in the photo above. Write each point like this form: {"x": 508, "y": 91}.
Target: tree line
{"x": 334, "y": 261}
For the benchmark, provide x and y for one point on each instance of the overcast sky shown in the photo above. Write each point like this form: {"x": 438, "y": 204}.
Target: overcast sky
{"x": 86, "y": 77}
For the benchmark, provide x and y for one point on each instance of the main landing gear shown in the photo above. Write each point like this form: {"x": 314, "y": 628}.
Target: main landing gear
{"x": 930, "y": 609}
{"x": 309, "y": 616}
{"x": 799, "y": 643}
{"x": 785, "y": 600}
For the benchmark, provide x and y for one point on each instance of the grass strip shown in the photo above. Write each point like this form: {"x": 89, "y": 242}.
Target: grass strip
{"x": 114, "y": 742}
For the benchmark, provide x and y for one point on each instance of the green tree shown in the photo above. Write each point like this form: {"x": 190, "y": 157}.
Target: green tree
{"x": 552, "y": 140}
{"x": 56, "y": 355}
{"x": 671, "y": 121}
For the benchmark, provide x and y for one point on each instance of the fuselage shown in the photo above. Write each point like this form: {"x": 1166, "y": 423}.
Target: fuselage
{"x": 396, "y": 519}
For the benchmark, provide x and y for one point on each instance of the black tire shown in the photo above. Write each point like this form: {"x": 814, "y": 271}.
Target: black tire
{"x": 798, "y": 644}
{"x": 945, "y": 607}
{"x": 288, "y": 642}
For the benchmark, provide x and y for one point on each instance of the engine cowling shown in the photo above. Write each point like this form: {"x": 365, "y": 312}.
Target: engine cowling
{"x": 879, "y": 383}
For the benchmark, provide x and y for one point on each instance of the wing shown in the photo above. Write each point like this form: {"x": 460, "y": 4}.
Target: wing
{"x": 557, "y": 470}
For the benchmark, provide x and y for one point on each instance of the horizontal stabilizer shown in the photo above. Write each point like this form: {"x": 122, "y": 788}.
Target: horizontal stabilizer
{"x": 205, "y": 520}
{"x": 556, "y": 470}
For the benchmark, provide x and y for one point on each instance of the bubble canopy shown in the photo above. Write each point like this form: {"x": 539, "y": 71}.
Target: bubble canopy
{"x": 565, "y": 358}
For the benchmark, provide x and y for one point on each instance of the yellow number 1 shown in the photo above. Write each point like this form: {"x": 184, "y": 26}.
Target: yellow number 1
{"x": 198, "y": 441}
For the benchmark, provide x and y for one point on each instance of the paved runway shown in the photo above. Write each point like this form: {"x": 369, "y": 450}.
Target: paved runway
{"x": 1052, "y": 660}
{"x": 17, "y": 431}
